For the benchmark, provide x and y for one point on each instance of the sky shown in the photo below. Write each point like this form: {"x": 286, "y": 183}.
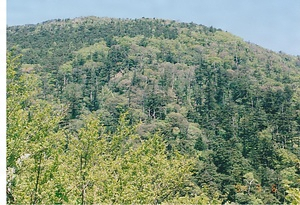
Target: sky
{"x": 273, "y": 24}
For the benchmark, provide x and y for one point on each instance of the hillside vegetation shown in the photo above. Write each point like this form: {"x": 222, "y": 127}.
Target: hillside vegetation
{"x": 103, "y": 110}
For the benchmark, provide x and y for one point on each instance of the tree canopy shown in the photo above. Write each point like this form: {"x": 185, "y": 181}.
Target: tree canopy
{"x": 103, "y": 110}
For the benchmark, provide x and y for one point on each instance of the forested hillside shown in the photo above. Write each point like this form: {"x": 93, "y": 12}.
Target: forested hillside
{"x": 103, "y": 110}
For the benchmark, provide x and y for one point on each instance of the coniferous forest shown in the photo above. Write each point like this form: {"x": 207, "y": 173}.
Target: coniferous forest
{"x": 149, "y": 111}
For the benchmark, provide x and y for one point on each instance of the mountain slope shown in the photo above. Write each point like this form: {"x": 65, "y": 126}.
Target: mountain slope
{"x": 231, "y": 105}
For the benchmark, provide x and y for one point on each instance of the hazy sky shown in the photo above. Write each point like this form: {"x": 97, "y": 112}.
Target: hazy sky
{"x": 273, "y": 24}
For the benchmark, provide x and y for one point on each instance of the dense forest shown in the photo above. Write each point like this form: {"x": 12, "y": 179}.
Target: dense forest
{"x": 149, "y": 111}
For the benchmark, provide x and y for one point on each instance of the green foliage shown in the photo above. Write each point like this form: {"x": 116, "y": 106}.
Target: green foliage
{"x": 293, "y": 196}
{"x": 230, "y": 108}
{"x": 95, "y": 167}
{"x": 34, "y": 140}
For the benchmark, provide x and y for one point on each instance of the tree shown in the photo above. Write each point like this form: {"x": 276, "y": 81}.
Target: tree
{"x": 73, "y": 96}
{"x": 34, "y": 140}
{"x": 250, "y": 181}
{"x": 120, "y": 167}
{"x": 154, "y": 103}
{"x": 293, "y": 195}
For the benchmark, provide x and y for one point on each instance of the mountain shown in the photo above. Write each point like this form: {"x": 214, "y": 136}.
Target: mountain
{"x": 229, "y": 106}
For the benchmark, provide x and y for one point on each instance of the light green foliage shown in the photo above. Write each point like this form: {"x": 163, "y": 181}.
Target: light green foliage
{"x": 293, "y": 196}
{"x": 97, "y": 47}
{"x": 34, "y": 142}
{"x": 123, "y": 168}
